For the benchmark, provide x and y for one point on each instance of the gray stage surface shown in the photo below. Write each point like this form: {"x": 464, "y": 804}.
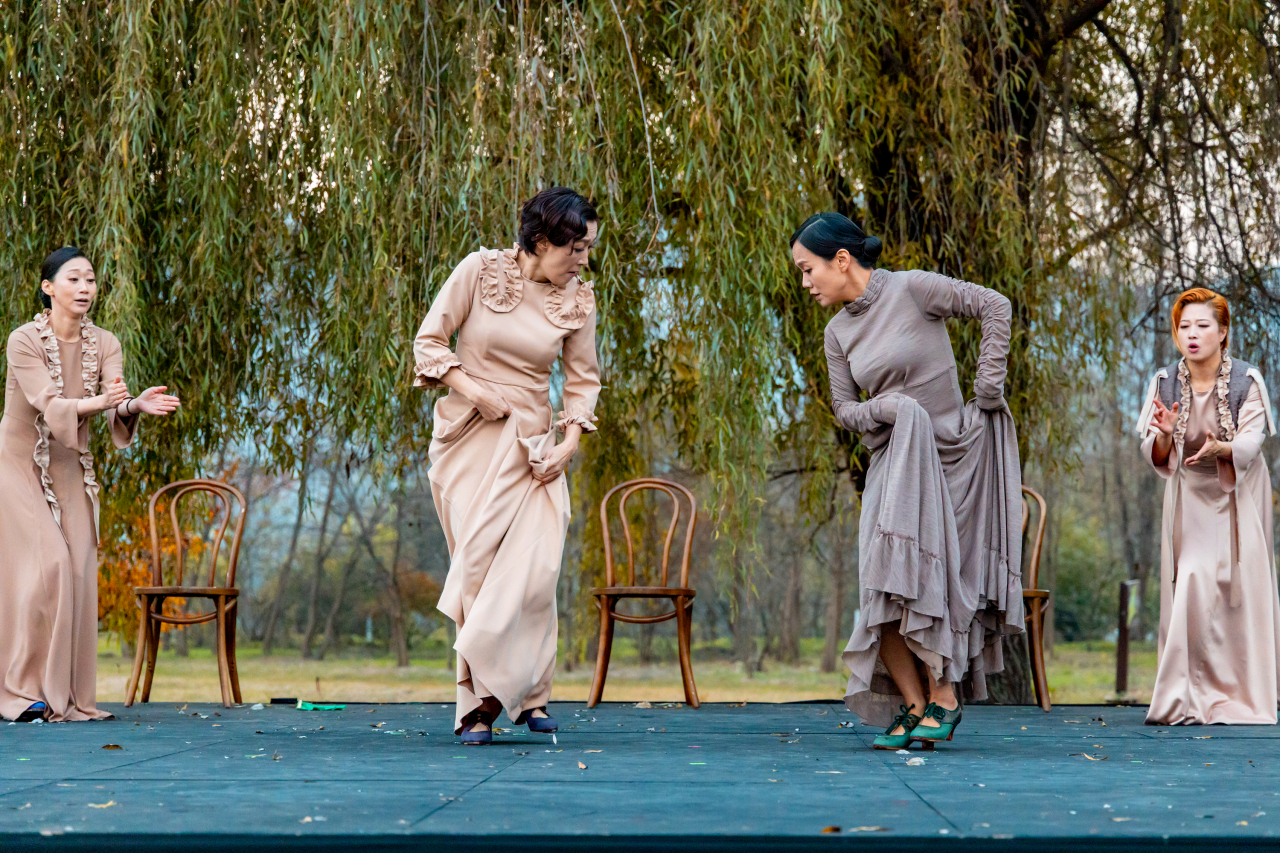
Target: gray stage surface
{"x": 753, "y": 777}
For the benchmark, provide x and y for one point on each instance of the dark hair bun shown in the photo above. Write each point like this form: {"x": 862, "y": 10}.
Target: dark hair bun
{"x": 558, "y": 215}
{"x": 871, "y": 249}
{"x": 825, "y": 234}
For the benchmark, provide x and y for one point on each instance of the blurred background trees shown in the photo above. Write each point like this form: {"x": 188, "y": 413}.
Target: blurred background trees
{"x": 273, "y": 192}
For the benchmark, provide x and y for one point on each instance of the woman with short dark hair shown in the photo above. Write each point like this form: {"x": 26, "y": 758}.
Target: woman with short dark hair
{"x": 497, "y": 473}
{"x": 940, "y": 540}
{"x": 63, "y": 371}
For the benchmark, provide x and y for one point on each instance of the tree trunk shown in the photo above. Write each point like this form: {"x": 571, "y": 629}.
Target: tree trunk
{"x": 322, "y": 554}
{"x": 789, "y": 635}
{"x": 282, "y": 580}
{"x": 330, "y": 635}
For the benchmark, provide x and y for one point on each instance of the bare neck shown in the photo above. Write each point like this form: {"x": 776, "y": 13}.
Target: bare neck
{"x": 1204, "y": 374}
{"x": 65, "y": 325}
{"x": 856, "y": 283}
{"x": 530, "y": 266}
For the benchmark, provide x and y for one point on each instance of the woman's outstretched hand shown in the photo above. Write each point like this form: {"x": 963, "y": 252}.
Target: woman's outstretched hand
{"x": 1212, "y": 449}
{"x": 154, "y": 401}
{"x": 1165, "y": 419}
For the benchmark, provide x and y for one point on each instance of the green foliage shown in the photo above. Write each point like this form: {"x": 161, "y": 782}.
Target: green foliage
{"x": 273, "y": 192}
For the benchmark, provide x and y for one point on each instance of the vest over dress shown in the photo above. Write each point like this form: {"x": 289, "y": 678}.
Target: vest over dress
{"x": 940, "y": 533}
{"x": 49, "y": 519}
{"x": 505, "y": 530}
{"x": 1219, "y": 644}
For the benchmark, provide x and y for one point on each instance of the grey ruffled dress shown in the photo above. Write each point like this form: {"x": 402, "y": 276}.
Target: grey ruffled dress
{"x": 940, "y": 534}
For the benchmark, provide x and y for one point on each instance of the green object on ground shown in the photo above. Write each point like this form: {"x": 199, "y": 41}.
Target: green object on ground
{"x": 310, "y": 706}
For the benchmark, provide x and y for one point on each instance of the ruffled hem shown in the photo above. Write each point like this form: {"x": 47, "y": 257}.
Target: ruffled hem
{"x": 428, "y": 373}
{"x": 905, "y": 584}
{"x": 586, "y": 421}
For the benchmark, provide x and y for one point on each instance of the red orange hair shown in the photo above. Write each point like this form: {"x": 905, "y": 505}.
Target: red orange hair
{"x": 1201, "y": 295}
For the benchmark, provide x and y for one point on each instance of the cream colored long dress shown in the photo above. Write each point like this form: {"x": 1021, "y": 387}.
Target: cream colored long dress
{"x": 1219, "y": 644}
{"x": 505, "y": 529}
{"x": 49, "y": 540}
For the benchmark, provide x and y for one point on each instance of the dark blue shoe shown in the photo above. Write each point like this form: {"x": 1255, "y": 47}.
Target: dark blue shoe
{"x": 35, "y": 712}
{"x": 541, "y": 725}
{"x": 476, "y": 737}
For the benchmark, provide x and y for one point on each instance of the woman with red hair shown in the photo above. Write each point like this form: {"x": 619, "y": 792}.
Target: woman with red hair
{"x": 1203, "y": 425}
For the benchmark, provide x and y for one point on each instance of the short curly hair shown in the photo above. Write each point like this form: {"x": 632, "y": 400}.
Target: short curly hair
{"x": 558, "y": 215}
{"x": 1199, "y": 296}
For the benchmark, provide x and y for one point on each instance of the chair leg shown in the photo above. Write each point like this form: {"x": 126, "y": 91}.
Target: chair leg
{"x": 144, "y": 620}
{"x": 602, "y": 654}
{"x": 224, "y": 677}
{"x": 231, "y": 651}
{"x": 153, "y": 646}
{"x": 1039, "y": 677}
{"x": 684, "y": 631}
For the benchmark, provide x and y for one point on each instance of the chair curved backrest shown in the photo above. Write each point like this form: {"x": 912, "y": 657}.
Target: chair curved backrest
{"x": 1033, "y": 564}
{"x": 673, "y": 491}
{"x": 223, "y": 493}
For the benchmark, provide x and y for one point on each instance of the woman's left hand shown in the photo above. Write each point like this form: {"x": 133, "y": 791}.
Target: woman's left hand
{"x": 1212, "y": 449}
{"x": 556, "y": 461}
{"x": 154, "y": 401}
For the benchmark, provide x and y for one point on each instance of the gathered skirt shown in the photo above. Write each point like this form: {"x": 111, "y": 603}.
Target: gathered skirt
{"x": 939, "y": 554}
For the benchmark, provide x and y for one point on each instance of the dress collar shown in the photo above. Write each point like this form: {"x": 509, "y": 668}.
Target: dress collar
{"x": 874, "y": 287}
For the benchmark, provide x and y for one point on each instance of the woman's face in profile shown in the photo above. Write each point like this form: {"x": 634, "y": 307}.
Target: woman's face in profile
{"x": 73, "y": 287}
{"x": 561, "y": 263}
{"x": 1199, "y": 335}
{"x": 824, "y": 279}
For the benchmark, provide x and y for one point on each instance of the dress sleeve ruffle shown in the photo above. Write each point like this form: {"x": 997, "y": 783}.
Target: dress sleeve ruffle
{"x": 577, "y": 415}
{"x": 428, "y": 372}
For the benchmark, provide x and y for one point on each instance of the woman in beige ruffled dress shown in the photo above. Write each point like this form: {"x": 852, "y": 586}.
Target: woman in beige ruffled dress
{"x": 497, "y": 473}
{"x": 62, "y": 372}
{"x": 1203, "y": 425}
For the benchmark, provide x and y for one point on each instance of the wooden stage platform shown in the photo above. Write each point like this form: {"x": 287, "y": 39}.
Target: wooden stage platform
{"x": 743, "y": 778}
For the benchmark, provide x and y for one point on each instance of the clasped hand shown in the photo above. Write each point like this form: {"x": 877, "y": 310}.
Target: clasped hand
{"x": 556, "y": 461}
{"x": 152, "y": 401}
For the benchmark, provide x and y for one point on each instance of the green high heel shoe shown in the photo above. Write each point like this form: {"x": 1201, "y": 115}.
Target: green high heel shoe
{"x": 908, "y": 721}
{"x": 947, "y": 722}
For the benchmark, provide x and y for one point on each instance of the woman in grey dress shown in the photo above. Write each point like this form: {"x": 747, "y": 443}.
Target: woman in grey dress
{"x": 940, "y": 547}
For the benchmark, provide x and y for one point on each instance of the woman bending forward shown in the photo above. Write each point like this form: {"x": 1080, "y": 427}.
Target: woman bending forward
{"x": 940, "y": 539}
{"x": 497, "y": 474}
{"x": 1202, "y": 426}
{"x": 63, "y": 370}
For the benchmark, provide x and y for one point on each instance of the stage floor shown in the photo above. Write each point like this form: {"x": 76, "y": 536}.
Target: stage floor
{"x": 746, "y": 777}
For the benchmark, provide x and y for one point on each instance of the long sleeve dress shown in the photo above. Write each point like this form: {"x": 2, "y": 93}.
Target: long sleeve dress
{"x": 505, "y": 530}
{"x": 49, "y": 520}
{"x": 1219, "y": 643}
{"x": 939, "y": 538}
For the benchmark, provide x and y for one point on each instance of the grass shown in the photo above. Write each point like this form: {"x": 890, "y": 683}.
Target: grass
{"x": 1078, "y": 673}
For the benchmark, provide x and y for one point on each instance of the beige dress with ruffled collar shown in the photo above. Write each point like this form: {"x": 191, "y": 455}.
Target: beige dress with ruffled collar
{"x": 48, "y": 520}
{"x": 505, "y": 530}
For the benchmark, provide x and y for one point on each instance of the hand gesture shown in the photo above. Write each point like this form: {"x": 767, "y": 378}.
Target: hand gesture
{"x": 115, "y": 394}
{"x": 491, "y": 405}
{"x": 1212, "y": 449}
{"x": 1165, "y": 419}
{"x": 154, "y": 401}
{"x": 555, "y": 462}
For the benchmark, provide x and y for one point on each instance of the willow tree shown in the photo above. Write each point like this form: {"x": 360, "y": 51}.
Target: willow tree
{"x": 272, "y": 193}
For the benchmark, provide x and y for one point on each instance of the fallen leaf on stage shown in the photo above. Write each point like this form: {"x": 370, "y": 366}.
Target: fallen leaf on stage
{"x": 275, "y": 756}
{"x": 1121, "y": 819}
{"x": 870, "y": 829}
{"x": 376, "y": 725}
{"x": 916, "y": 762}
{"x": 113, "y": 746}
{"x": 830, "y": 829}
{"x": 593, "y": 750}
{"x": 105, "y": 805}
{"x": 306, "y": 819}
{"x": 1090, "y": 757}
{"x": 645, "y": 704}
{"x": 581, "y": 766}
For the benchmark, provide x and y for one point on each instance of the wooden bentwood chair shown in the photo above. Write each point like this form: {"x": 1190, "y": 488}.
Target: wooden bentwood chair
{"x": 151, "y": 599}
{"x": 609, "y": 596}
{"x": 1036, "y": 601}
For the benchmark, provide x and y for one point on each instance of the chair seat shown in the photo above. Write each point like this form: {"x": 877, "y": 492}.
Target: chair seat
{"x": 1035, "y": 593}
{"x": 187, "y": 591}
{"x": 644, "y": 591}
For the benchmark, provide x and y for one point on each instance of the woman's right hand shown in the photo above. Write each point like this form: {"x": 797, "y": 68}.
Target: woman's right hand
{"x": 1165, "y": 419}
{"x": 491, "y": 405}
